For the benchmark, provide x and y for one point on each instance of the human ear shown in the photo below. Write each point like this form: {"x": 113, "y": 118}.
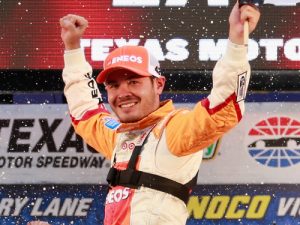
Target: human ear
{"x": 160, "y": 84}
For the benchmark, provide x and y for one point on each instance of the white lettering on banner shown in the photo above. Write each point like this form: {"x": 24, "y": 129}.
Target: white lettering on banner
{"x": 209, "y": 49}
{"x": 175, "y": 3}
{"x": 100, "y": 46}
{"x": 253, "y": 49}
{"x": 117, "y": 195}
{"x": 123, "y": 42}
{"x": 218, "y": 2}
{"x": 154, "y": 46}
{"x": 292, "y": 49}
{"x": 271, "y": 2}
{"x": 282, "y": 2}
{"x": 85, "y": 43}
{"x": 271, "y": 46}
{"x": 183, "y": 3}
{"x": 147, "y": 3}
{"x": 177, "y": 50}
{"x": 58, "y": 207}
{"x": 289, "y": 206}
{"x": 12, "y": 206}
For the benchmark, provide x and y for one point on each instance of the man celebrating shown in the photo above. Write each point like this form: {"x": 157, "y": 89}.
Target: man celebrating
{"x": 155, "y": 149}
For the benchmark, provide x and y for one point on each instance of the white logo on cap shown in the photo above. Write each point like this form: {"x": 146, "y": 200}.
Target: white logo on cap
{"x": 126, "y": 58}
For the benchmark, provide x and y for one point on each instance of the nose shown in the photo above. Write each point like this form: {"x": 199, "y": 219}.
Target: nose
{"x": 123, "y": 90}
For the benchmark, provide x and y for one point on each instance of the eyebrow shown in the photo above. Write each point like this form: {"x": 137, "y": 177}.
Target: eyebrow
{"x": 109, "y": 82}
{"x": 128, "y": 77}
{"x": 133, "y": 76}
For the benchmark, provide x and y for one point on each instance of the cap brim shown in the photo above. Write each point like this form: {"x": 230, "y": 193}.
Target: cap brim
{"x": 102, "y": 76}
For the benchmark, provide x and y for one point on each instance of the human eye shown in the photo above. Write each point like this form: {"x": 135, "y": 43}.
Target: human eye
{"x": 133, "y": 81}
{"x": 111, "y": 85}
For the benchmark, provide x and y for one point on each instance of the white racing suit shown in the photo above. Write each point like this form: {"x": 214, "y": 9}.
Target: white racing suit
{"x": 176, "y": 136}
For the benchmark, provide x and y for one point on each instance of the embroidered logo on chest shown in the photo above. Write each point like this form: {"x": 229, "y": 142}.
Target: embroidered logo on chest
{"x": 127, "y": 146}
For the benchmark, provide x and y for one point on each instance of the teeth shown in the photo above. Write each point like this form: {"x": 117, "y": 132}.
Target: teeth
{"x": 127, "y": 105}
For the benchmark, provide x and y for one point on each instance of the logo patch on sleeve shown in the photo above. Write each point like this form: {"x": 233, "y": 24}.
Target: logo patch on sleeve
{"x": 111, "y": 123}
{"x": 241, "y": 87}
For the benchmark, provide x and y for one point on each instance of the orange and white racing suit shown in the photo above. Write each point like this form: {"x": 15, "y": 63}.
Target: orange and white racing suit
{"x": 176, "y": 136}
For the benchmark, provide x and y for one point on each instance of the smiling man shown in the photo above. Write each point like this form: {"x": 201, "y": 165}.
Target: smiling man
{"x": 135, "y": 94}
{"x": 155, "y": 149}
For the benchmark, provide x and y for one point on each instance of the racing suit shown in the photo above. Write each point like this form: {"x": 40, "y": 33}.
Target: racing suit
{"x": 176, "y": 136}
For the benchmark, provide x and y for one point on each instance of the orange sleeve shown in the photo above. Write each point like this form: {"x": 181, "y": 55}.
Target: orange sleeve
{"x": 94, "y": 130}
{"x": 190, "y": 131}
{"x": 90, "y": 118}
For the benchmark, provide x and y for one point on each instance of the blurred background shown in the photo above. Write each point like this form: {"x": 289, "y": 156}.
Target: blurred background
{"x": 47, "y": 172}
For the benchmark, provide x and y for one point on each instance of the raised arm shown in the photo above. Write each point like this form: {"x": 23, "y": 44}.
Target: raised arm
{"x": 237, "y": 18}
{"x": 189, "y": 132}
{"x": 83, "y": 96}
{"x": 72, "y": 29}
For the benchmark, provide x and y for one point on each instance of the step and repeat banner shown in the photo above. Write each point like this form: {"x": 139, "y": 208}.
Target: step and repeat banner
{"x": 182, "y": 34}
{"x": 232, "y": 204}
{"x": 249, "y": 176}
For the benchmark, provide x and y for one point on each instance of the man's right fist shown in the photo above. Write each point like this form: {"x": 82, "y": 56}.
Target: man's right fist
{"x": 72, "y": 29}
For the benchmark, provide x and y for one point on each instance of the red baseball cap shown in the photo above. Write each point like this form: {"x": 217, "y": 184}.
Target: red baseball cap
{"x": 137, "y": 59}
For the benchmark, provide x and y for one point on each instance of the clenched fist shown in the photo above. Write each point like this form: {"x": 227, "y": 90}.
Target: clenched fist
{"x": 72, "y": 29}
{"x": 237, "y": 18}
